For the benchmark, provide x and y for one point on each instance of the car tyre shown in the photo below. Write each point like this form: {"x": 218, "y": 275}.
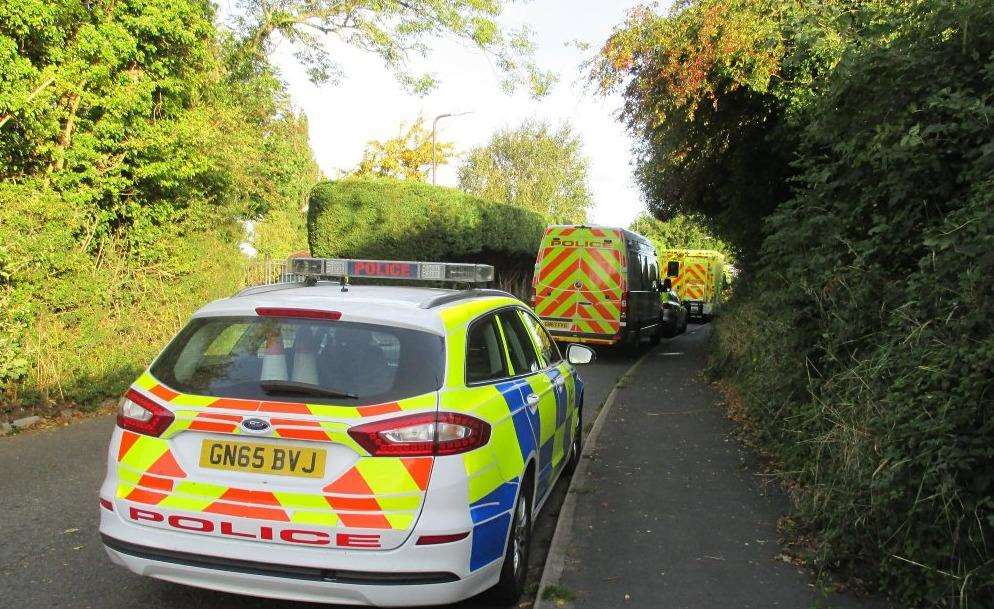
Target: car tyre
{"x": 669, "y": 330}
{"x": 576, "y": 448}
{"x": 511, "y": 585}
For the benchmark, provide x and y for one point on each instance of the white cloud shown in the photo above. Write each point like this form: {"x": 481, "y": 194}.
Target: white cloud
{"x": 369, "y": 104}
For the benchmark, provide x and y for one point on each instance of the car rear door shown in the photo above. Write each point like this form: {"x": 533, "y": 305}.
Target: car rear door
{"x": 560, "y": 409}
{"x": 541, "y": 399}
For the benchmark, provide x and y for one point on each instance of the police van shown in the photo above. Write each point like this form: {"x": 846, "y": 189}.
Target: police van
{"x": 598, "y": 285}
{"x": 323, "y": 441}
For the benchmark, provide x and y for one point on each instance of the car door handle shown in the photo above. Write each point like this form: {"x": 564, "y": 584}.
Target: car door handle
{"x": 533, "y": 401}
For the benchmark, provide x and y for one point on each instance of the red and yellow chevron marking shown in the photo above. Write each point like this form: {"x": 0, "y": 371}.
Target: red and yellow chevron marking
{"x": 581, "y": 284}
{"x": 695, "y": 284}
{"x": 375, "y": 493}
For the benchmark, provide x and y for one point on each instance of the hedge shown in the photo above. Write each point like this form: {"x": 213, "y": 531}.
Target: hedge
{"x": 864, "y": 351}
{"x": 408, "y": 220}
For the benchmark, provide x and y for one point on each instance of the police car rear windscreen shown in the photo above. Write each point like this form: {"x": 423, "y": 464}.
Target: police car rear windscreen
{"x": 301, "y": 360}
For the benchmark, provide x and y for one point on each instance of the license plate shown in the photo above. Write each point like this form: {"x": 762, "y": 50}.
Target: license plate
{"x": 262, "y": 458}
{"x": 557, "y": 325}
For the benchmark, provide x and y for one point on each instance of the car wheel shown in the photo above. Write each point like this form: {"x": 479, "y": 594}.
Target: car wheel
{"x": 513, "y": 573}
{"x": 576, "y": 449}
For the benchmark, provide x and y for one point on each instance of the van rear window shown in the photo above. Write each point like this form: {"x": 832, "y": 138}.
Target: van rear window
{"x": 301, "y": 360}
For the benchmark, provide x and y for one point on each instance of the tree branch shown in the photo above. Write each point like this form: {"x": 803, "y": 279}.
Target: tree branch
{"x": 31, "y": 96}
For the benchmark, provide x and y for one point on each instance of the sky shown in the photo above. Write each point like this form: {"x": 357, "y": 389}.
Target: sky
{"x": 368, "y": 104}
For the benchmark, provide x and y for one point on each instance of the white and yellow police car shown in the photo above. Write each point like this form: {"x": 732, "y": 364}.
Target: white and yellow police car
{"x": 338, "y": 443}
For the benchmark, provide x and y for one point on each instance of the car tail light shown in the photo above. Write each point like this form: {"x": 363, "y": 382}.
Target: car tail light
{"x": 624, "y": 306}
{"x": 140, "y": 414}
{"x": 438, "y": 434}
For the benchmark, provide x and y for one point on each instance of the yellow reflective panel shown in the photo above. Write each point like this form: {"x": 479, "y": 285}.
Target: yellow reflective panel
{"x": 386, "y": 475}
{"x": 400, "y": 520}
{"x": 483, "y": 474}
{"x": 146, "y": 381}
{"x": 144, "y": 452}
{"x": 325, "y": 518}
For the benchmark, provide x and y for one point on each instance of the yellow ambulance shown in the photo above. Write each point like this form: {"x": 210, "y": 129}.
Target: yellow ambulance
{"x": 697, "y": 277}
{"x": 599, "y": 285}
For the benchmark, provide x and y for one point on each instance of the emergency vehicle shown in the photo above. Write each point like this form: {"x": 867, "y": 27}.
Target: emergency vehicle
{"x": 697, "y": 277}
{"x": 357, "y": 444}
{"x": 598, "y": 285}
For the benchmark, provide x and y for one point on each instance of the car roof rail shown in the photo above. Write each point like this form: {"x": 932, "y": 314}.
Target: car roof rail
{"x": 462, "y": 295}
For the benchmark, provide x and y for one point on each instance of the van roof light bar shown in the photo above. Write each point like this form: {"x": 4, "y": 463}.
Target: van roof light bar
{"x": 346, "y": 268}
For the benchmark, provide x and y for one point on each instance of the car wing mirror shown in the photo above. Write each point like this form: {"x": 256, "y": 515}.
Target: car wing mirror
{"x": 580, "y": 354}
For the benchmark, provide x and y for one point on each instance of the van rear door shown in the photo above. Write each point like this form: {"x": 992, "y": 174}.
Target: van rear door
{"x": 580, "y": 281}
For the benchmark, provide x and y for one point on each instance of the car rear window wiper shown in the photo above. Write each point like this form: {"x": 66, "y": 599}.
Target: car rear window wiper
{"x": 295, "y": 387}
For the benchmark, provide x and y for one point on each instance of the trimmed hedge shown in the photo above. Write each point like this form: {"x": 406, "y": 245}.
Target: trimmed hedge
{"x": 408, "y": 220}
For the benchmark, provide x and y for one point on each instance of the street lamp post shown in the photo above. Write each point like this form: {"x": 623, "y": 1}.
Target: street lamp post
{"x": 434, "y": 130}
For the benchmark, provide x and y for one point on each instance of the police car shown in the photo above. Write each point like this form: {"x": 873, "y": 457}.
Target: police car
{"x": 356, "y": 444}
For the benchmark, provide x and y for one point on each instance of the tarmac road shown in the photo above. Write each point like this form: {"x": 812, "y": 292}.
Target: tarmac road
{"x": 50, "y": 552}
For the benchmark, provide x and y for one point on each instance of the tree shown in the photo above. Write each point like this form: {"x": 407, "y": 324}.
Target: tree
{"x": 394, "y": 30}
{"x": 534, "y": 166}
{"x": 681, "y": 232}
{"x": 134, "y": 137}
{"x": 716, "y": 93}
{"x": 405, "y": 157}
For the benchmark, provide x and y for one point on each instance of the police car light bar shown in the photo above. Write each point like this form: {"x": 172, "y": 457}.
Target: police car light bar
{"x": 390, "y": 269}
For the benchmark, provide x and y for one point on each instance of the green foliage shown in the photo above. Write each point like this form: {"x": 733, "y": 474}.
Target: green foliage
{"x": 681, "y": 232}
{"x": 135, "y": 137}
{"x": 716, "y": 93}
{"x": 405, "y": 220}
{"x": 408, "y": 220}
{"x": 408, "y": 156}
{"x": 393, "y": 31}
{"x": 533, "y": 166}
{"x": 863, "y": 350}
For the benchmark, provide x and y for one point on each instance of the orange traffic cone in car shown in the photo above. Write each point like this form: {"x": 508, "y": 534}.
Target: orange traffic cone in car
{"x": 274, "y": 360}
{"x": 305, "y": 365}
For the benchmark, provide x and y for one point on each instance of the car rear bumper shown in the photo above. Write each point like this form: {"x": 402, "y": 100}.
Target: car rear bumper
{"x": 321, "y": 586}
{"x": 696, "y": 308}
{"x": 407, "y": 576}
{"x": 239, "y": 562}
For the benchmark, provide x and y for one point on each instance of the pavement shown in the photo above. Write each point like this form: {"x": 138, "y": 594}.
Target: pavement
{"x": 670, "y": 511}
{"x": 50, "y": 552}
